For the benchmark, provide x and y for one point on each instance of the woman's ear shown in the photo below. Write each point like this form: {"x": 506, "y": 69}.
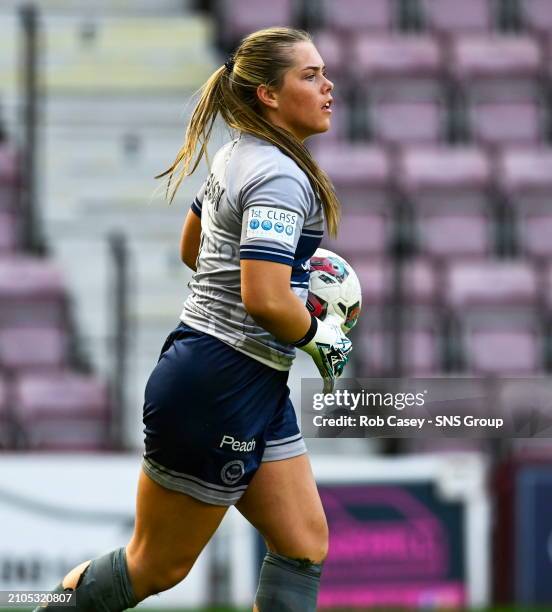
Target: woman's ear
{"x": 268, "y": 96}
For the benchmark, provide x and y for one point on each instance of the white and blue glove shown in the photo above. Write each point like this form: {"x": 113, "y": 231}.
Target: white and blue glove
{"x": 329, "y": 347}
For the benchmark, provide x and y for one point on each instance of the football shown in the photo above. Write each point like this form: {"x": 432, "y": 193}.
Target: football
{"x": 334, "y": 289}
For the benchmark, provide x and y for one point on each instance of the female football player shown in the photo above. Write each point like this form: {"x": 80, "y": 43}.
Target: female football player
{"x": 220, "y": 429}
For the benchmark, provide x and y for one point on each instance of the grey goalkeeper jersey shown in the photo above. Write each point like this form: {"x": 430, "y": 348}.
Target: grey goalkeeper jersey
{"x": 255, "y": 204}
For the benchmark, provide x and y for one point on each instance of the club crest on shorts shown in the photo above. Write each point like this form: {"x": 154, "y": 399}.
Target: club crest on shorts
{"x": 232, "y": 472}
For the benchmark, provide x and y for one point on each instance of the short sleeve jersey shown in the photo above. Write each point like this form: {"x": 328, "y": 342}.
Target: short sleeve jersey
{"x": 255, "y": 204}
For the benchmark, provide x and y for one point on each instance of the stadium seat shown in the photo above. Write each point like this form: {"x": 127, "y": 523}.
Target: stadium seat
{"x": 360, "y": 234}
{"x": 525, "y": 177}
{"x": 503, "y": 351}
{"x": 490, "y": 283}
{"x": 419, "y": 282}
{"x": 451, "y": 16}
{"x": 454, "y": 235}
{"x": 537, "y": 15}
{"x": 31, "y": 293}
{"x": 398, "y": 67}
{"x": 360, "y": 174}
{"x": 353, "y": 16}
{"x": 419, "y": 353}
{"x": 495, "y": 305}
{"x": 9, "y": 177}
{"x": 502, "y": 124}
{"x": 421, "y": 320}
{"x": 32, "y": 348}
{"x": 62, "y": 411}
{"x": 8, "y": 232}
{"x": 521, "y": 398}
{"x": 332, "y": 51}
{"x": 447, "y": 190}
{"x": 241, "y": 17}
{"x": 407, "y": 123}
{"x": 496, "y": 68}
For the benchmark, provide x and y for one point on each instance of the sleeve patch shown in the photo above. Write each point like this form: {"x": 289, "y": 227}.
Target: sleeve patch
{"x": 271, "y": 223}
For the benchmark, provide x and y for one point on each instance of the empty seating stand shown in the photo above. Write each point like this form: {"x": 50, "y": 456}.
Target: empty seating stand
{"x": 43, "y": 404}
{"x": 31, "y": 349}
{"x": 396, "y": 67}
{"x": 525, "y": 178}
{"x": 32, "y": 293}
{"x": 360, "y": 173}
{"x": 450, "y": 17}
{"x": 495, "y": 303}
{"x": 537, "y": 15}
{"x": 240, "y": 17}
{"x": 447, "y": 189}
{"x": 348, "y": 17}
{"x": 496, "y": 67}
{"x": 62, "y": 411}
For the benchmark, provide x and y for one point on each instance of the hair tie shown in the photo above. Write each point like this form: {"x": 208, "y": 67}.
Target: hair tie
{"x": 229, "y": 64}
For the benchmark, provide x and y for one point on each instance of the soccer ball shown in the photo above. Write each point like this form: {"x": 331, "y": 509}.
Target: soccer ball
{"x": 334, "y": 289}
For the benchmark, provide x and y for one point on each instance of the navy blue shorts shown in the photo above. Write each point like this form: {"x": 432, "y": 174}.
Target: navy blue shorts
{"x": 211, "y": 415}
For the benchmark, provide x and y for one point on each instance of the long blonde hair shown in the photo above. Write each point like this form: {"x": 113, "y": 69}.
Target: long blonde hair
{"x": 262, "y": 58}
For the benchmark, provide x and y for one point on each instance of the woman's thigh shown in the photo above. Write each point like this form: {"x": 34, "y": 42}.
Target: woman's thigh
{"x": 170, "y": 531}
{"x": 283, "y": 503}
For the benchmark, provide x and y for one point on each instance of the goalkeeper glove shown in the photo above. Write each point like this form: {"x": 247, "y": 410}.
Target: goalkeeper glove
{"x": 328, "y": 346}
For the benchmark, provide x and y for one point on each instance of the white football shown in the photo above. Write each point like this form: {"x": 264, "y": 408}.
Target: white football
{"x": 334, "y": 289}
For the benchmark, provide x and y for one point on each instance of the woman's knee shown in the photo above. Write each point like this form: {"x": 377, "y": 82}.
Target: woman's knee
{"x": 320, "y": 539}
{"x": 312, "y": 544}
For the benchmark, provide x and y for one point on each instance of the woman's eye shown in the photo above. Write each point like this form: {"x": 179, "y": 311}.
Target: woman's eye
{"x": 310, "y": 77}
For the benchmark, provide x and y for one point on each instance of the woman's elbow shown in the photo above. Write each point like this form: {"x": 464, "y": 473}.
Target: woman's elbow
{"x": 189, "y": 259}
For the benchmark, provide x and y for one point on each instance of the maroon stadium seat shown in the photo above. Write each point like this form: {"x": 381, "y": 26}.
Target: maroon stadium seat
{"x": 496, "y": 304}
{"x": 398, "y": 67}
{"x": 537, "y": 15}
{"x": 361, "y": 233}
{"x": 32, "y": 348}
{"x": 375, "y": 276}
{"x": 525, "y": 176}
{"x": 407, "y": 122}
{"x": 501, "y": 124}
{"x": 9, "y": 177}
{"x": 332, "y": 51}
{"x": 420, "y": 354}
{"x": 451, "y": 16}
{"x": 454, "y": 235}
{"x": 8, "y": 231}
{"x": 350, "y": 16}
{"x": 360, "y": 174}
{"x": 496, "y": 68}
{"x": 31, "y": 293}
{"x": 503, "y": 351}
{"x": 62, "y": 411}
{"x": 241, "y": 17}
{"x": 490, "y": 283}
{"x": 448, "y": 189}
